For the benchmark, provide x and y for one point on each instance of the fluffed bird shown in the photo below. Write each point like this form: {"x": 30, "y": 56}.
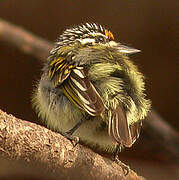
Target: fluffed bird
{"x": 90, "y": 89}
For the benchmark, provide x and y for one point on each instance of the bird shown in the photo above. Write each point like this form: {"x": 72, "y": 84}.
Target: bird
{"x": 91, "y": 89}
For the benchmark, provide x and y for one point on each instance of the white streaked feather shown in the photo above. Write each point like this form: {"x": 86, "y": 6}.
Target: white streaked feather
{"x": 101, "y": 28}
{"x": 78, "y": 32}
{"x": 81, "y": 28}
{"x": 95, "y": 26}
{"x": 79, "y": 67}
{"x": 79, "y": 73}
{"x": 87, "y": 40}
{"x": 109, "y": 125}
{"x": 88, "y": 25}
{"x": 78, "y": 84}
{"x": 64, "y": 41}
{"x": 85, "y": 28}
{"x": 117, "y": 125}
{"x": 82, "y": 98}
{"x": 73, "y": 57}
{"x": 97, "y": 34}
{"x": 89, "y": 108}
{"x": 113, "y": 129}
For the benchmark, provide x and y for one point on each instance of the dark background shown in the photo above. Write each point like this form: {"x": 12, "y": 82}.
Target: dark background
{"x": 151, "y": 26}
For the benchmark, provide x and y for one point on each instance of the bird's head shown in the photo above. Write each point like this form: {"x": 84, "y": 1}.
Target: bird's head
{"x": 91, "y": 34}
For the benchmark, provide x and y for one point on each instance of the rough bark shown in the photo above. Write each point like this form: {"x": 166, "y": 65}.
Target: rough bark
{"x": 20, "y": 139}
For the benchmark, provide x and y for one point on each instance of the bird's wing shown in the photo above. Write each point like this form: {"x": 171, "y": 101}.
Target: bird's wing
{"x": 82, "y": 93}
{"x": 76, "y": 85}
{"x": 59, "y": 70}
{"x": 119, "y": 128}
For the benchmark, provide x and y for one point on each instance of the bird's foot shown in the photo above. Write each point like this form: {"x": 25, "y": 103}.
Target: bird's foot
{"x": 115, "y": 158}
{"x": 124, "y": 167}
{"x": 74, "y": 139}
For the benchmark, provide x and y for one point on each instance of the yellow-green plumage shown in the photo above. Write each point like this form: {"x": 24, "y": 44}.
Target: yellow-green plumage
{"x": 116, "y": 86}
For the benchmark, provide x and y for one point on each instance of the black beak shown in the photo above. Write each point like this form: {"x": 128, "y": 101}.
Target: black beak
{"x": 127, "y": 50}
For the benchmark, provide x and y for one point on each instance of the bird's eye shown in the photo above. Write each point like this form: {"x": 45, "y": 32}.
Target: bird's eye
{"x": 100, "y": 39}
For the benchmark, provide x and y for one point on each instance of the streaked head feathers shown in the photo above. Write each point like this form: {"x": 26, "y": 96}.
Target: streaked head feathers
{"x": 84, "y": 31}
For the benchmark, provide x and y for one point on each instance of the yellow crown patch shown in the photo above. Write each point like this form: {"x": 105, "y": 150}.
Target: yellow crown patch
{"x": 109, "y": 35}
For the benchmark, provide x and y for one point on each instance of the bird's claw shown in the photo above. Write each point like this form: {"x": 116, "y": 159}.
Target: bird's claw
{"x": 74, "y": 139}
{"x": 124, "y": 167}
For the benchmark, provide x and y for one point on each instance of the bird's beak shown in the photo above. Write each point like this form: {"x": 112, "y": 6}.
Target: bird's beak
{"x": 127, "y": 50}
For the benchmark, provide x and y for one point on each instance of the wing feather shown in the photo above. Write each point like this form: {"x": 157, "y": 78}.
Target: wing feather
{"x": 135, "y": 130}
{"x": 76, "y": 85}
{"x": 120, "y": 130}
{"x": 84, "y": 92}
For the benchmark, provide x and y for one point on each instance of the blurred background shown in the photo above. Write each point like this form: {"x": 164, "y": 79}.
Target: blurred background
{"x": 151, "y": 26}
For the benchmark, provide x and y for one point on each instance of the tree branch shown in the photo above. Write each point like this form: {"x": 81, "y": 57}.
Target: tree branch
{"x": 20, "y": 139}
{"x": 24, "y": 40}
{"x": 165, "y": 136}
